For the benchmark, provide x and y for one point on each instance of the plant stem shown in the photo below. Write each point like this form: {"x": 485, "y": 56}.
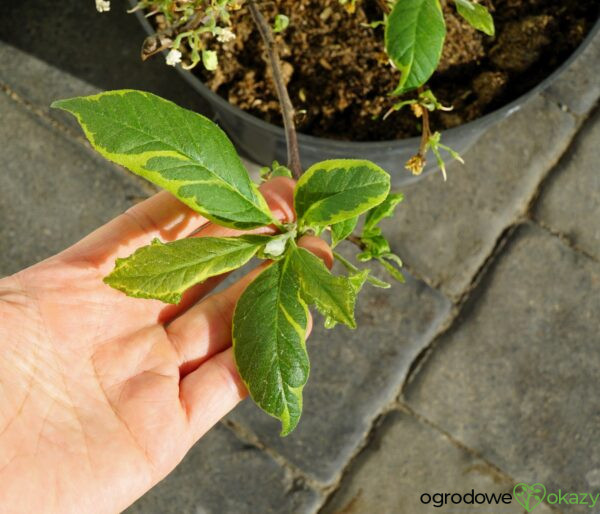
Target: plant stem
{"x": 425, "y": 132}
{"x": 287, "y": 109}
{"x": 385, "y": 8}
{"x": 355, "y": 240}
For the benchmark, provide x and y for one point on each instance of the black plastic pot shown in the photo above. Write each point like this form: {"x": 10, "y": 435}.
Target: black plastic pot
{"x": 263, "y": 142}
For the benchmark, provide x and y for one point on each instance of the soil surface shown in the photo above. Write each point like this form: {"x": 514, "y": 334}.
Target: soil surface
{"x": 339, "y": 77}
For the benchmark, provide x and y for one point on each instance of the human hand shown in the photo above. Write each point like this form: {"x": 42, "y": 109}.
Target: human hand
{"x": 101, "y": 395}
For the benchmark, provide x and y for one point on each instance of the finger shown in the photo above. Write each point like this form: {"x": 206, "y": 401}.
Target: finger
{"x": 319, "y": 247}
{"x": 163, "y": 216}
{"x": 205, "y": 329}
{"x": 210, "y": 392}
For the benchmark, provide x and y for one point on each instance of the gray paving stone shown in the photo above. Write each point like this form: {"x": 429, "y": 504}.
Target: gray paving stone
{"x": 222, "y": 475}
{"x": 39, "y": 83}
{"x": 516, "y": 379}
{"x": 408, "y": 459}
{"x": 570, "y": 203}
{"x": 445, "y": 230}
{"x": 579, "y": 88}
{"x": 54, "y": 191}
{"x": 354, "y": 374}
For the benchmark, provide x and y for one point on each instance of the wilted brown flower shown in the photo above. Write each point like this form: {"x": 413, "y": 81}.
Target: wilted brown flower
{"x": 415, "y": 164}
{"x": 417, "y": 110}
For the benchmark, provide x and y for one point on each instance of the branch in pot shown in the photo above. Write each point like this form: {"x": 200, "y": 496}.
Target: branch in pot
{"x": 287, "y": 109}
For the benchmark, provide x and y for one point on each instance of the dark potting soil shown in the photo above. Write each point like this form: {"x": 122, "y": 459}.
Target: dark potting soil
{"x": 339, "y": 77}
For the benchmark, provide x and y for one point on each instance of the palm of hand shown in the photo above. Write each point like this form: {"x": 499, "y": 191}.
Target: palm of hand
{"x": 95, "y": 393}
{"x": 101, "y": 395}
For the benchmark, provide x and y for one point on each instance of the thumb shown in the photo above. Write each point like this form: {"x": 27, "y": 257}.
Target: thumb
{"x": 319, "y": 247}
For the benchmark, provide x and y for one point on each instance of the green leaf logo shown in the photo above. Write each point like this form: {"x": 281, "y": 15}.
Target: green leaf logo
{"x": 529, "y": 496}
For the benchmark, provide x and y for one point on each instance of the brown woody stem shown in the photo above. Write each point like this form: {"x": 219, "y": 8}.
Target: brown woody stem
{"x": 385, "y": 8}
{"x": 355, "y": 240}
{"x": 287, "y": 109}
{"x": 425, "y": 132}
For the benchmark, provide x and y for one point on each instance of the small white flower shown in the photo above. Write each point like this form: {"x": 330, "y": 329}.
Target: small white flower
{"x": 103, "y": 5}
{"x": 225, "y": 36}
{"x": 173, "y": 57}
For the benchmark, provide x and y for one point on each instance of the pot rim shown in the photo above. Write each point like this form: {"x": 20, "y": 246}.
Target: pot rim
{"x": 277, "y": 131}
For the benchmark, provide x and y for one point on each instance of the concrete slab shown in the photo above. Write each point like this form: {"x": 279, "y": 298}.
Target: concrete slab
{"x": 570, "y": 201}
{"x": 222, "y": 475}
{"x": 54, "y": 191}
{"x": 579, "y": 88}
{"x": 516, "y": 378}
{"x": 406, "y": 468}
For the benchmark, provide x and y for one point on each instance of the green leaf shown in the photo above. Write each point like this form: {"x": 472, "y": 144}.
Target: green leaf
{"x": 355, "y": 281}
{"x": 434, "y": 144}
{"x": 414, "y": 38}
{"x": 281, "y": 23}
{"x": 477, "y": 15}
{"x": 334, "y": 296}
{"x": 210, "y": 60}
{"x": 403, "y": 103}
{"x": 276, "y": 170}
{"x": 333, "y": 191}
{"x": 356, "y": 271}
{"x": 176, "y": 149}
{"x": 387, "y": 261}
{"x": 279, "y": 170}
{"x": 341, "y": 230}
{"x": 164, "y": 271}
{"x": 269, "y": 334}
{"x": 384, "y": 210}
{"x": 375, "y": 245}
